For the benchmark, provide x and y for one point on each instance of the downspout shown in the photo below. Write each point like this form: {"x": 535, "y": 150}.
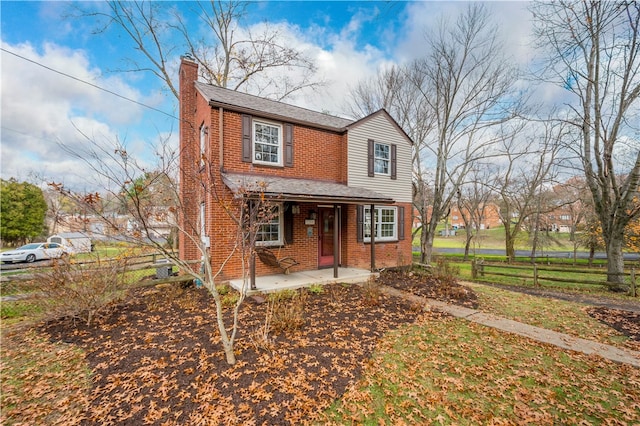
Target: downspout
{"x": 221, "y": 137}
{"x": 373, "y": 239}
{"x": 336, "y": 239}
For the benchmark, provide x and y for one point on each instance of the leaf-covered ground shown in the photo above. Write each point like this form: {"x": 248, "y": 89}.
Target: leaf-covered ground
{"x": 626, "y": 322}
{"x": 622, "y": 315}
{"x": 450, "y": 371}
{"x": 439, "y": 288}
{"x": 156, "y": 359}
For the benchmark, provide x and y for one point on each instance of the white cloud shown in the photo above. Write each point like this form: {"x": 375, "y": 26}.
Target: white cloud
{"x": 339, "y": 61}
{"x": 40, "y": 109}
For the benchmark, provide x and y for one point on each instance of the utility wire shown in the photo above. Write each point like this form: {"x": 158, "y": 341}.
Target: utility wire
{"x": 88, "y": 83}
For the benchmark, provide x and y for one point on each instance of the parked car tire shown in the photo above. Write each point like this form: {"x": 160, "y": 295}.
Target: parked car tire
{"x": 31, "y": 258}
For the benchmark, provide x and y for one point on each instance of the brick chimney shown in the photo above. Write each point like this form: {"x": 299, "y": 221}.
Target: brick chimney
{"x": 189, "y": 152}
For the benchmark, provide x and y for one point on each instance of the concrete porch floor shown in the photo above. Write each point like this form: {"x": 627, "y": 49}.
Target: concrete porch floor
{"x": 271, "y": 283}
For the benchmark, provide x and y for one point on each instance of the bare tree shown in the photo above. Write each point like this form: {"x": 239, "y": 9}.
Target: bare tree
{"x": 144, "y": 194}
{"x": 472, "y": 201}
{"x": 540, "y": 235}
{"x": 529, "y": 166}
{"x": 593, "y": 52}
{"x": 254, "y": 62}
{"x": 576, "y": 200}
{"x": 468, "y": 85}
{"x": 447, "y": 102}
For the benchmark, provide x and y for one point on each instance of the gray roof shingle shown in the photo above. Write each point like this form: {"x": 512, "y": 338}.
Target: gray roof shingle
{"x": 291, "y": 189}
{"x": 244, "y": 102}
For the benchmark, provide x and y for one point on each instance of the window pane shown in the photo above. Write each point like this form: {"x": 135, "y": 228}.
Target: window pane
{"x": 266, "y": 143}
{"x": 269, "y": 232}
{"x": 385, "y": 223}
{"x": 382, "y": 154}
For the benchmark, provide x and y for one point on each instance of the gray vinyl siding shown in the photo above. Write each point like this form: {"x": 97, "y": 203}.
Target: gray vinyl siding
{"x": 379, "y": 128}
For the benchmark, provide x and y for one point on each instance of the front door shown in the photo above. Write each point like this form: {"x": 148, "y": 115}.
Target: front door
{"x": 326, "y": 228}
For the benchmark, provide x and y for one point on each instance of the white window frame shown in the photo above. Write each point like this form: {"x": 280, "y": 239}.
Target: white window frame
{"x": 384, "y": 160}
{"x": 203, "y": 143}
{"x": 378, "y": 215}
{"x": 203, "y": 225}
{"x": 278, "y": 220}
{"x": 254, "y": 142}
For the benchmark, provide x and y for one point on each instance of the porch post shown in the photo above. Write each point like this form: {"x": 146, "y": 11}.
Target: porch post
{"x": 252, "y": 247}
{"x": 373, "y": 239}
{"x": 252, "y": 269}
{"x": 336, "y": 239}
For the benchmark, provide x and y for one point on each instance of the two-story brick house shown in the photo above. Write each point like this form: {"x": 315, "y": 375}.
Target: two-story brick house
{"x": 329, "y": 179}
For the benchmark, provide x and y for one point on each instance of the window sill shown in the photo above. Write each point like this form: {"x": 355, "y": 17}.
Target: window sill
{"x": 269, "y": 165}
{"x": 275, "y": 244}
{"x": 382, "y": 241}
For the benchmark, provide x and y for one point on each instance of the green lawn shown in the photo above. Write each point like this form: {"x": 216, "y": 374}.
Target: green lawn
{"x": 558, "y": 315}
{"x": 451, "y": 371}
{"x": 494, "y": 239}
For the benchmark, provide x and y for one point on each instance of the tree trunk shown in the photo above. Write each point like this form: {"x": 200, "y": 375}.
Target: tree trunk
{"x": 534, "y": 245}
{"x": 615, "y": 264}
{"x": 467, "y": 244}
{"x": 509, "y": 247}
{"x": 426, "y": 245}
{"x": 228, "y": 351}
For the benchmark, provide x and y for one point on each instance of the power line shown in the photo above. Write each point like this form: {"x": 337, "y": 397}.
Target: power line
{"x": 88, "y": 83}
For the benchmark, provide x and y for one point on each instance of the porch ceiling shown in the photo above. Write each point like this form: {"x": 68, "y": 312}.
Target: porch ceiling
{"x": 302, "y": 190}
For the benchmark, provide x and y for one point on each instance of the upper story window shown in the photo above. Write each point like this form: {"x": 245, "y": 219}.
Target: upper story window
{"x": 382, "y": 158}
{"x": 267, "y": 143}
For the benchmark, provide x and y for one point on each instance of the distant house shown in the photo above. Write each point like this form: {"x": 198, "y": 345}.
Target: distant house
{"x": 76, "y": 242}
{"x": 329, "y": 178}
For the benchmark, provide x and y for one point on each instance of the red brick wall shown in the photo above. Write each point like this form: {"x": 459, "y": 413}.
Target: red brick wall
{"x": 305, "y": 248}
{"x": 388, "y": 254}
{"x": 318, "y": 154}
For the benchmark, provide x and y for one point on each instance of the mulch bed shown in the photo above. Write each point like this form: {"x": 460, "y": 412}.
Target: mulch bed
{"x": 157, "y": 359}
{"x": 626, "y": 322}
{"x": 422, "y": 284}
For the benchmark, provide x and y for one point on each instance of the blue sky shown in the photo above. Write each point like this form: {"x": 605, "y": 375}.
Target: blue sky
{"x": 41, "y": 109}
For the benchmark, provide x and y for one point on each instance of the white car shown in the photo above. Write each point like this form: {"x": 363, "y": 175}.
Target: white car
{"x": 34, "y": 251}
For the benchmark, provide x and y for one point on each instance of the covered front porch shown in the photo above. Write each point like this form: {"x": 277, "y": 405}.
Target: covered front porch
{"x": 311, "y": 228}
{"x": 273, "y": 283}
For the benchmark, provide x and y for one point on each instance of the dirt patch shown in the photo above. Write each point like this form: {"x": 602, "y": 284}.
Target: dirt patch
{"x": 626, "y": 322}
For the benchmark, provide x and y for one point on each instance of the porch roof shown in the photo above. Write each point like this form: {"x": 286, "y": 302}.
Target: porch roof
{"x": 302, "y": 190}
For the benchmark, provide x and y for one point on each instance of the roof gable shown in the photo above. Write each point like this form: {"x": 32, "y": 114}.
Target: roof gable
{"x": 381, "y": 113}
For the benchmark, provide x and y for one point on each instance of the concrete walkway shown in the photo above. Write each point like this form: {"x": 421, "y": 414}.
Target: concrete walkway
{"x": 561, "y": 340}
{"x": 278, "y": 282}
